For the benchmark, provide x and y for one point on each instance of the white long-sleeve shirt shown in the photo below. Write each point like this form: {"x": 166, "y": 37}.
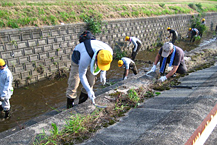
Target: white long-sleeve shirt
{"x": 127, "y": 62}
{"x": 134, "y": 40}
{"x": 84, "y": 59}
{"x": 6, "y": 79}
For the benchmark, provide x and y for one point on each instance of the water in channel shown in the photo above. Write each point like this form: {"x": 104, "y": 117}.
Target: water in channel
{"x": 42, "y": 97}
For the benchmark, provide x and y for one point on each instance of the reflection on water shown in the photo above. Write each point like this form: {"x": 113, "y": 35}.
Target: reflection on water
{"x": 44, "y": 96}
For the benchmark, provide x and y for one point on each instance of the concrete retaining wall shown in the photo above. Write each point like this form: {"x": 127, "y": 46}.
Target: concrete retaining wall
{"x": 33, "y": 54}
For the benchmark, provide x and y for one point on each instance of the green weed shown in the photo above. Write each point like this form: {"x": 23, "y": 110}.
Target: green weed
{"x": 94, "y": 22}
{"x": 119, "y": 54}
{"x": 133, "y": 96}
{"x": 196, "y": 23}
{"x": 162, "y": 5}
{"x": 149, "y": 94}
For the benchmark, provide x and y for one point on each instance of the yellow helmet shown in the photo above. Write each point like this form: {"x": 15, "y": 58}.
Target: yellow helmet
{"x": 2, "y": 62}
{"x": 120, "y": 63}
{"x": 203, "y": 19}
{"x": 189, "y": 29}
{"x": 168, "y": 28}
{"x": 127, "y": 38}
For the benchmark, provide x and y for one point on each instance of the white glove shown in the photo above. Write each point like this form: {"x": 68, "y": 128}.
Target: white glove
{"x": 91, "y": 95}
{"x": 153, "y": 69}
{"x": 166, "y": 37}
{"x": 169, "y": 68}
{"x": 2, "y": 98}
{"x": 195, "y": 35}
{"x": 103, "y": 77}
{"x": 125, "y": 77}
{"x": 163, "y": 78}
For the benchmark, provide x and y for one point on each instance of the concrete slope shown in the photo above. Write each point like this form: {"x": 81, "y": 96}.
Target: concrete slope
{"x": 167, "y": 119}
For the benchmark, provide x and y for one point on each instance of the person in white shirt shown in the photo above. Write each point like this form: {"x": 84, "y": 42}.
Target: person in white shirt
{"x": 128, "y": 64}
{"x": 6, "y": 89}
{"x": 137, "y": 45}
{"x": 87, "y": 51}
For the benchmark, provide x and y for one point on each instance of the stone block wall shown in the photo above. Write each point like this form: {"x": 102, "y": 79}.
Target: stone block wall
{"x": 27, "y": 50}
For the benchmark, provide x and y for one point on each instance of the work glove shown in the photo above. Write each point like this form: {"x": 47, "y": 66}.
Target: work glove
{"x": 125, "y": 77}
{"x": 153, "y": 69}
{"x": 2, "y": 98}
{"x": 163, "y": 78}
{"x": 169, "y": 68}
{"x": 103, "y": 77}
{"x": 91, "y": 95}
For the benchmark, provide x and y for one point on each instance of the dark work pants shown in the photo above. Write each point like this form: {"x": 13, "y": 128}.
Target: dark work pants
{"x": 173, "y": 39}
{"x": 192, "y": 36}
{"x": 135, "y": 53}
{"x": 133, "y": 68}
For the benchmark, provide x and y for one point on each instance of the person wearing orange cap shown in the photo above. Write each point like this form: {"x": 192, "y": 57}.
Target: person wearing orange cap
{"x": 174, "y": 33}
{"x": 128, "y": 64}
{"x": 137, "y": 45}
{"x": 89, "y": 53}
{"x": 6, "y": 89}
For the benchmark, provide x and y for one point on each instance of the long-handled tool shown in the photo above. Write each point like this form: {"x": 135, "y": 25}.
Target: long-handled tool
{"x": 99, "y": 106}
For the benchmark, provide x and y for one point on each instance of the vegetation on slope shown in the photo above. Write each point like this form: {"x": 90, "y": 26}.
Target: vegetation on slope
{"x": 38, "y": 13}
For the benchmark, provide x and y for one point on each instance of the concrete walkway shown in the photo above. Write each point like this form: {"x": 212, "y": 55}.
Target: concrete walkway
{"x": 167, "y": 119}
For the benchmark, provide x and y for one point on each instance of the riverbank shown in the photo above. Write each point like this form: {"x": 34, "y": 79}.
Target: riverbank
{"x": 19, "y": 14}
{"x": 200, "y": 58}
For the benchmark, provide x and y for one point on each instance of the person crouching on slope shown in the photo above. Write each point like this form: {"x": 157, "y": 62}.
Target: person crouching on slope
{"x": 89, "y": 52}
{"x": 137, "y": 45}
{"x": 172, "y": 55}
{"x": 128, "y": 64}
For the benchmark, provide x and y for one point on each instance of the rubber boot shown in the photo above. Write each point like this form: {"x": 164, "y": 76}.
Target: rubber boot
{"x": 1, "y": 109}
{"x": 7, "y": 114}
{"x": 70, "y": 103}
{"x": 82, "y": 98}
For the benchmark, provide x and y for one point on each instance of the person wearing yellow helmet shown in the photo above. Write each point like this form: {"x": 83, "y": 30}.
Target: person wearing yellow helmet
{"x": 137, "y": 45}
{"x": 203, "y": 21}
{"x": 127, "y": 38}
{"x": 89, "y": 53}
{"x": 6, "y": 89}
{"x": 194, "y": 33}
{"x": 128, "y": 64}
{"x": 174, "y": 33}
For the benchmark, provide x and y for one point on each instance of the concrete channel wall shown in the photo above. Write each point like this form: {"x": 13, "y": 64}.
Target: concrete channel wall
{"x": 33, "y": 54}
